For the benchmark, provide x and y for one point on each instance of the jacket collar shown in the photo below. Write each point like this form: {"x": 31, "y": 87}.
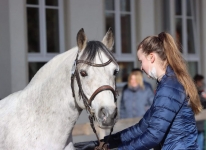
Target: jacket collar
{"x": 169, "y": 73}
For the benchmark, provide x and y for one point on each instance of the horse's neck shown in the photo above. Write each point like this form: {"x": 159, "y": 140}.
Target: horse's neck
{"x": 50, "y": 95}
{"x": 50, "y": 67}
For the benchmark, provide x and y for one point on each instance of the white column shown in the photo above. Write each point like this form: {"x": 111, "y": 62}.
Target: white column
{"x": 18, "y": 44}
{"x": 87, "y": 14}
{"x": 5, "y": 75}
{"x": 146, "y": 18}
{"x": 159, "y": 15}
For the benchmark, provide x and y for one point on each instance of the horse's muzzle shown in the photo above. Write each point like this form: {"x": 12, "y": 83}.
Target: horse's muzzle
{"x": 107, "y": 119}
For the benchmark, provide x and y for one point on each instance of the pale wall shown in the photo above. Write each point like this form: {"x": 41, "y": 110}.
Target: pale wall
{"x": 13, "y": 52}
{"x": 87, "y": 14}
{"x": 18, "y": 45}
{"x": 5, "y": 60}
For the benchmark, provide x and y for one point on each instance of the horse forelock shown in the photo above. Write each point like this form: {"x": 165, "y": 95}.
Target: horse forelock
{"x": 94, "y": 48}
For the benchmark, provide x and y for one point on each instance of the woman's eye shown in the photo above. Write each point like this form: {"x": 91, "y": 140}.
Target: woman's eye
{"x": 83, "y": 73}
{"x": 115, "y": 73}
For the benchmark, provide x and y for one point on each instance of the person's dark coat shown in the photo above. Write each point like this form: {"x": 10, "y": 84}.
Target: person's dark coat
{"x": 169, "y": 122}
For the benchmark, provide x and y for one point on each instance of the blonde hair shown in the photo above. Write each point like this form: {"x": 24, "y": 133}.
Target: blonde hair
{"x": 166, "y": 48}
{"x": 139, "y": 78}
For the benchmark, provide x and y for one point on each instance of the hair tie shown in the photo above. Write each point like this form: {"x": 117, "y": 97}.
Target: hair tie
{"x": 161, "y": 36}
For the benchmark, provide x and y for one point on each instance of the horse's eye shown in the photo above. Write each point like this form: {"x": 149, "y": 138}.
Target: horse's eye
{"x": 83, "y": 73}
{"x": 115, "y": 72}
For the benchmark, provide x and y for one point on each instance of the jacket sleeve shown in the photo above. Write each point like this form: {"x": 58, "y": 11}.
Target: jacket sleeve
{"x": 129, "y": 133}
{"x": 162, "y": 114}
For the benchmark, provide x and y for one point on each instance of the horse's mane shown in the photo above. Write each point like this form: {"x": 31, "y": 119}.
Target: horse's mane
{"x": 93, "y": 48}
{"x": 51, "y": 66}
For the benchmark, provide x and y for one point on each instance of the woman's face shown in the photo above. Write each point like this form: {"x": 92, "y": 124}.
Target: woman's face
{"x": 144, "y": 61}
{"x": 133, "y": 81}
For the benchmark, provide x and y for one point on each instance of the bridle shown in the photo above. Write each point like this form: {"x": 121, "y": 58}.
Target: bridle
{"x": 87, "y": 102}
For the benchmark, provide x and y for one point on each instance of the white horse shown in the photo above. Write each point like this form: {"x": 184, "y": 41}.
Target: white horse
{"x": 42, "y": 116}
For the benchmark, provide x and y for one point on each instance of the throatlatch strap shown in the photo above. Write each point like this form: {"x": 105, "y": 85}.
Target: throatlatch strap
{"x": 72, "y": 85}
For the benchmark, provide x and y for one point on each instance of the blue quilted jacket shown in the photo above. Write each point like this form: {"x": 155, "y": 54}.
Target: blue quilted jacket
{"x": 169, "y": 122}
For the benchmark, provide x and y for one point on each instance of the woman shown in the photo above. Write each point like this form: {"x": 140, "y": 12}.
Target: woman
{"x": 136, "y": 98}
{"x": 170, "y": 121}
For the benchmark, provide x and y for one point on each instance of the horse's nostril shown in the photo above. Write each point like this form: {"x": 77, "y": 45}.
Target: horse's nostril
{"x": 103, "y": 114}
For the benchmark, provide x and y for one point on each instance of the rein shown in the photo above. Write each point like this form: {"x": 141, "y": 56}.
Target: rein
{"x": 87, "y": 102}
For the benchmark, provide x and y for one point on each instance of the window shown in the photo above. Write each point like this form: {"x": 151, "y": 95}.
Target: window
{"x": 119, "y": 14}
{"x": 124, "y": 69}
{"x": 186, "y": 32}
{"x": 45, "y": 32}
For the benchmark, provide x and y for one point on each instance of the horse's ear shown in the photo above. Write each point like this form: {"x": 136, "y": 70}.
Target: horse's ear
{"x": 81, "y": 39}
{"x": 108, "y": 39}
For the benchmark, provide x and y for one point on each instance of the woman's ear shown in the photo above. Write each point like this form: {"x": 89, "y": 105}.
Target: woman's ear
{"x": 151, "y": 57}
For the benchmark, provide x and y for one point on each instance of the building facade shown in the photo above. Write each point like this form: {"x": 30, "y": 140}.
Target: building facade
{"x": 33, "y": 31}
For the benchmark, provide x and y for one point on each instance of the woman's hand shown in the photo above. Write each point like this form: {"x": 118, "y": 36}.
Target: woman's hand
{"x": 89, "y": 145}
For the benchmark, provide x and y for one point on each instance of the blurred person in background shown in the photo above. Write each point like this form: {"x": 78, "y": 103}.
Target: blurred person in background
{"x": 137, "y": 96}
{"x": 199, "y": 82}
{"x": 145, "y": 82}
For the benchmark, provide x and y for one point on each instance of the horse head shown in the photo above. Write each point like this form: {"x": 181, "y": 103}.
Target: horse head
{"x": 94, "y": 70}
